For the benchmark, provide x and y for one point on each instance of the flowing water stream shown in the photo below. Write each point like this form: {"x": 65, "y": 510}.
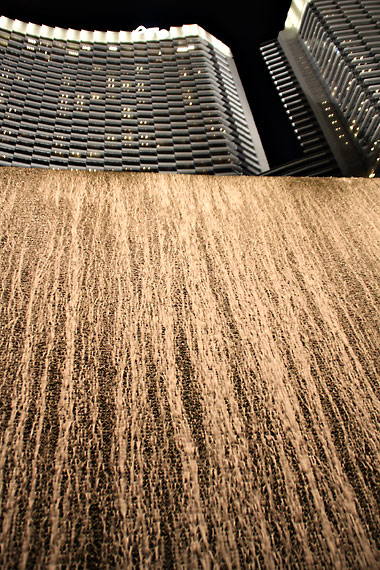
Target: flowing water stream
{"x": 189, "y": 371}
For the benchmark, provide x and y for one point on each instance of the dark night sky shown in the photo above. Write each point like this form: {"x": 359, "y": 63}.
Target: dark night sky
{"x": 243, "y": 32}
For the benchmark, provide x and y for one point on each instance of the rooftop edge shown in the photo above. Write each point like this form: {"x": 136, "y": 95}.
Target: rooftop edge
{"x": 141, "y": 34}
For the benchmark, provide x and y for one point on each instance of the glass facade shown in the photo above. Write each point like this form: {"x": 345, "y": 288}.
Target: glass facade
{"x": 343, "y": 39}
{"x": 326, "y": 66}
{"x": 169, "y": 104}
{"x": 317, "y": 159}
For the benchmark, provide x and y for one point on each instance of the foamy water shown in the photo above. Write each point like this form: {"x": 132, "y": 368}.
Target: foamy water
{"x": 189, "y": 371}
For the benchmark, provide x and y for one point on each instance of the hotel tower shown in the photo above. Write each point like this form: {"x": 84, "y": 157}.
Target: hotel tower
{"x": 148, "y": 100}
{"x": 326, "y": 67}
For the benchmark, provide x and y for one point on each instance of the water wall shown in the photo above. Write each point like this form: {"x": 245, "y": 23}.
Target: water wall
{"x": 189, "y": 371}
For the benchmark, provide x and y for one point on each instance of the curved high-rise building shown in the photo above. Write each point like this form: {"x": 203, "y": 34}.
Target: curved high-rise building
{"x": 147, "y": 100}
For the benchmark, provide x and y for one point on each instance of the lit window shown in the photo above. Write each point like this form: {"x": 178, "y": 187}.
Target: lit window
{"x": 185, "y": 48}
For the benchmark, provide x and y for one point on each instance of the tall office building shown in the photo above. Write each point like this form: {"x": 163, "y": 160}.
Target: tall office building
{"x": 326, "y": 67}
{"x": 151, "y": 100}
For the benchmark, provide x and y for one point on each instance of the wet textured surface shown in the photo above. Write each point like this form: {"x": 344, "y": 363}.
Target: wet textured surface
{"x": 189, "y": 371}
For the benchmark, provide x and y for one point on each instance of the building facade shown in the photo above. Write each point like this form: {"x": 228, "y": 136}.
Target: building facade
{"x": 147, "y": 100}
{"x": 317, "y": 158}
{"x": 326, "y": 67}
